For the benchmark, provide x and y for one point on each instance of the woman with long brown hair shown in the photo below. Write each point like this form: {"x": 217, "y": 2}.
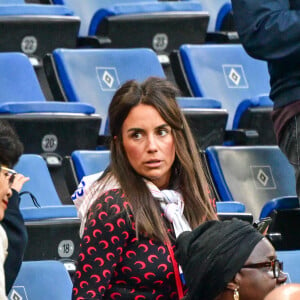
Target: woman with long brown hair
{"x": 153, "y": 189}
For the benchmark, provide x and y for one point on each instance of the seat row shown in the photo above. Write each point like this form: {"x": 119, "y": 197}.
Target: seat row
{"x": 163, "y": 26}
{"x": 224, "y": 83}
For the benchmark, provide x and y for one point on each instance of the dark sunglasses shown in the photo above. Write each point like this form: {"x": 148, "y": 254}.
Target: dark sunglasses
{"x": 275, "y": 264}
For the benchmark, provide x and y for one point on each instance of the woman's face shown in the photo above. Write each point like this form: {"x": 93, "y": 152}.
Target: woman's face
{"x": 256, "y": 283}
{"x": 149, "y": 144}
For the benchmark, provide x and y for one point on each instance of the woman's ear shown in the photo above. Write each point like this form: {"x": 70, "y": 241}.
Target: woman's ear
{"x": 234, "y": 283}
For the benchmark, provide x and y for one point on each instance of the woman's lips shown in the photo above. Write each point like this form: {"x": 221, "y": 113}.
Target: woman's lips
{"x": 153, "y": 163}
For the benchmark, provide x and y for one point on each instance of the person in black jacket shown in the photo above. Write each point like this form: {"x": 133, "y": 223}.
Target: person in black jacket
{"x": 11, "y": 149}
{"x": 270, "y": 30}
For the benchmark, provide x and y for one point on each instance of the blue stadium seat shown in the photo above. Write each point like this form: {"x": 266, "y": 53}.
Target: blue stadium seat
{"x": 33, "y": 28}
{"x": 93, "y": 75}
{"x": 230, "y": 206}
{"x": 290, "y": 264}
{"x": 229, "y": 74}
{"x": 160, "y": 25}
{"x": 90, "y": 162}
{"x": 227, "y": 210}
{"x": 53, "y": 227}
{"x": 251, "y": 175}
{"x": 47, "y": 280}
{"x": 74, "y": 71}
{"x": 218, "y": 10}
{"x": 207, "y": 119}
{"x": 86, "y": 9}
{"x": 42, "y": 187}
{"x": 288, "y": 202}
{"x": 59, "y": 124}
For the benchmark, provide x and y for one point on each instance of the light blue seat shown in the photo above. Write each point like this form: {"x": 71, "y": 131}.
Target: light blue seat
{"x": 230, "y": 207}
{"x": 252, "y": 175}
{"x": 239, "y": 82}
{"x": 90, "y": 162}
{"x": 23, "y": 104}
{"x": 291, "y": 261}
{"x": 46, "y": 279}
{"x": 93, "y": 75}
{"x": 42, "y": 187}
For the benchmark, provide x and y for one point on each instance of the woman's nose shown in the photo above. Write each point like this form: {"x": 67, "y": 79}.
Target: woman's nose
{"x": 152, "y": 146}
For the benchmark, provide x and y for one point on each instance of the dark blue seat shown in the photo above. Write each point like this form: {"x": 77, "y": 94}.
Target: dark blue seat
{"x": 251, "y": 175}
{"x": 33, "y": 28}
{"x": 239, "y": 82}
{"x": 45, "y": 279}
{"x": 207, "y": 119}
{"x": 288, "y": 202}
{"x": 23, "y": 104}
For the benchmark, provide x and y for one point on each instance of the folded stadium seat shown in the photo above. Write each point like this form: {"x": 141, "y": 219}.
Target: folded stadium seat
{"x": 36, "y": 29}
{"x": 82, "y": 163}
{"x": 229, "y": 74}
{"x": 206, "y": 118}
{"x": 52, "y": 226}
{"x": 49, "y": 128}
{"x": 45, "y": 280}
{"x": 221, "y": 27}
{"x": 227, "y": 210}
{"x": 290, "y": 261}
{"x": 252, "y": 175}
{"x": 163, "y": 26}
{"x": 74, "y": 71}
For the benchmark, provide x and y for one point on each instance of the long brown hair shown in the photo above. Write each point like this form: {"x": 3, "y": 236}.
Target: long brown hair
{"x": 187, "y": 169}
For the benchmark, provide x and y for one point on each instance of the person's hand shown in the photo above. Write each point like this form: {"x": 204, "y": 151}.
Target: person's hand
{"x": 19, "y": 180}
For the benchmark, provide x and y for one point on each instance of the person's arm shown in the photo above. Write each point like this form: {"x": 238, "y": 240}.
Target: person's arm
{"x": 16, "y": 232}
{"x": 104, "y": 238}
{"x": 268, "y": 29}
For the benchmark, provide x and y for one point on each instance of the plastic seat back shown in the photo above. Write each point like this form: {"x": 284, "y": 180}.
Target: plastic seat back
{"x": 252, "y": 175}
{"x": 93, "y": 75}
{"x": 45, "y": 280}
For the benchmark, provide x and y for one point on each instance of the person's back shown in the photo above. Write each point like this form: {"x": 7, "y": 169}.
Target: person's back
{"x": 285, "y": 292}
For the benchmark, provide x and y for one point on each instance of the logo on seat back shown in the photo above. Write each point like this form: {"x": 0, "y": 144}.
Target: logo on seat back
{"x": 108, "y": 78}
{"x": 18, "y": 293}
{"x": 235, "y": 76}
{"x": 263, "y": 177}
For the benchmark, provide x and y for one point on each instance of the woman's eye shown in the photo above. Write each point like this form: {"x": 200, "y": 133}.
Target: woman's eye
{"x": 163, "y": 132}
{"x": 137, "y": 135}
